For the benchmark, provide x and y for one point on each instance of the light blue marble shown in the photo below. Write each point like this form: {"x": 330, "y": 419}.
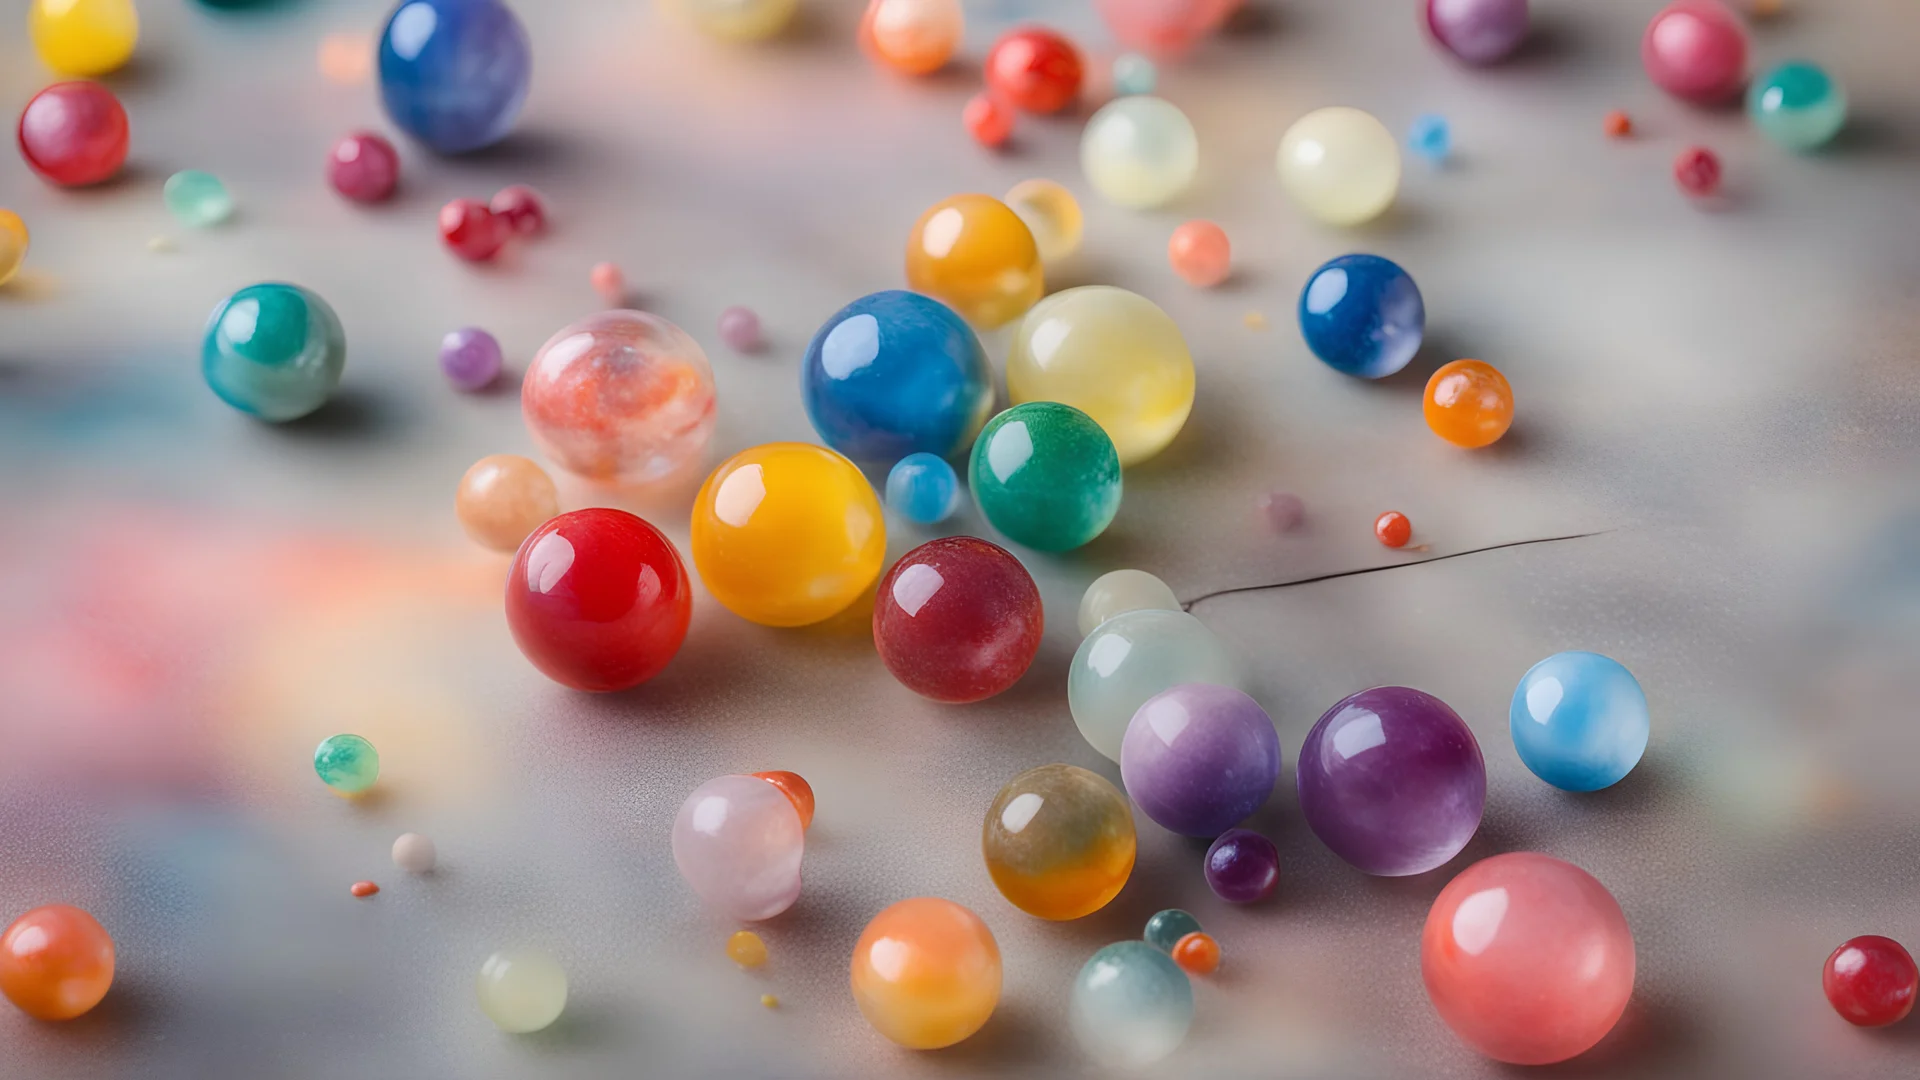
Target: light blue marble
{"x": 923, "y": 488}
{"x": 1579, "y": 721}
{"x": 1130, "y": 658}
{"x": 1131, "y": 1006}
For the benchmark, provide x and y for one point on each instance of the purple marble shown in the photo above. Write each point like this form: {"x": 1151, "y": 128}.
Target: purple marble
{"x": 1198, "y": 759}
{"x": 740, "y": 329}
{"x": 1284, "y": 511}
{"x": 1392, "y": 780}
{"x": 1242, "y": 866}
{"x": 1478, "y": 31}
{"x": 471, "y": 358}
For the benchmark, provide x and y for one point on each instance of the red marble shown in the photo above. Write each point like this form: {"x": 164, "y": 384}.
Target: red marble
{"x": 957, "y": 619}
{"x": 1528, "y": 959}
{"x": 1871, "y": 981}
{"x": 1697, "y": 171}
{"x": 1696, "y": 50}
{"x": 522, "y": 208}
{"x": 988, "y": 120}
{"x": 74, "y": 133}
{"x": 598, "y": 600}
{"x": 1034, "y": 69}
{"x": 363, "y": 167}
{"x": 472, "y": 231}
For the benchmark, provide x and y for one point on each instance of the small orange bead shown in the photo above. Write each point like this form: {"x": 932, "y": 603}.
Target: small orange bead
{"x": 363, "y": 889}
{"x": 56, "y": 962}
{"x": 988, "y": 120}
{"x": 797, "y": 791}
{"x": 1618, "y": 124}
{"x": 1393, "y": 529}
{"x": 1200, "y": 254}
{"x": 1469, "y": 404}
{"x": 1197, "y": 953}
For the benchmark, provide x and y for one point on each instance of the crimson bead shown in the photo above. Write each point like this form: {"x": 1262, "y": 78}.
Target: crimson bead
{"x": 957, "y": 619}
{"x": 1393, "y": 529}
{"x": 598, "y": 600}
{"x": 74, "y": 133}
{"x": 1697, "y": 171}
{"x": 988, "y": 120}
{"x": 472, "y": 231}
{"x": 364, "y": 167}
{"x": 522, "y": 208}
{"x": 1034, "y": 69}
{"x": 1871, "y": 981}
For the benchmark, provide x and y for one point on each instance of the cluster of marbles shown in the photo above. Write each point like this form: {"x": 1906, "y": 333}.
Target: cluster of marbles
{"x": 84, "y": 38}
{"x": 1199, "y": 759}
{"x": 197, "y": 199}
{"x": 1468, "y": 403}
{"x": 1046, "y": 475}
{"x": 415, "y": 854}
{"x": 1798, "y": 106}
{"x": 1132, "y": 656}
{"x": 1340, "y": 165}
{"x": 502, "y": 498}
{"x": 1034, "y": 69}
{"x": 1392, "y": 529}
{"x": 738, "y": 841}
{"x": 734, "y": 20}
{"x": 13, "y": 244}
{"x": 471, "y": 359}
{"x": 74, "y": 134}
{"x": 1051, "y": 214}
{"x": 913, "y": 37}
{"x": 1579, "y": 720}
{"x": 1871, "y": 981}
{"x": 1059, "y": 842}
{"x": 1165, "y": 28}
{"x": 477, "y": 231}
{"x": 787, "y": 534}
{"x": 926, "y": 973}
{"x": 1362, "y": 315}
{"x": 1119, "y": 591}
{"x": 56, "y": 962}
{"x": 957, "y": 620}
{"x": 1242, "y": 866}
{"x": 454, "y": 73}
{"x": 974, "y": 254}
{"x": 1478, "y": 31}
{"x": 1112, "y": 354}
{"x": 363, "y": 167}
{"x": 1200, "y": 253}
{"x": 348, "y": 764}
{"x": 923, "y": 488}
{"x": 1696, "y": 50}
{"x": 896, "y": 373}
{"x": 522, "y": 990}
{"x": 1139, "y": 151}
{"x": 274, "y": 351}
{"x": 1131, "y": 1006}
{"x": 522, "y": 209}
{"x": 598, "y": 600}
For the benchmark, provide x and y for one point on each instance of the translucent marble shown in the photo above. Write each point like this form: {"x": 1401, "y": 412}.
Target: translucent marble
{"x": 56, "y": 962}
{"x": 957, "y": 620}
{"x": 1059, "y": 842}
{"x": 1696, "y": 50}
{"x": 1200, "y": 253}
{"x": 1131, "y": 1006}
{"x": 1199, "y": 759}
{"x": 926, "y": 973}
{"x": 1528, "y": 959}
{"x": 1052, "y": 215}
{"x": 1166, "y": 928}
{"x": 522, "y": 209}
{"x": 896, "y": 373}
{"x": 471, "y": 230}
{"x": 1362, "y": 315}
{"x": 738, "y": 842}
{"x": 1045, "y": 475}
{"x": 1340, "y": 165}
{"x": 414, "y": 853}
{"x": 787, "y": 534}
{"x": 1242, "y": 866}
{"x": 1430, "y": 138}
{"x": 1579, "y": 721}
{"x": 923, "y": 488}
{"x": 1478, "y": 31}
{"x": 1139, "y": 151}
{"x": 502, "y": 498}
{"x": 1697, "y": 172}
{"x": 913, "y": 37}
{"x": 84, "y": 38}
{"x": 471, "y": 359}
{"x": 1133, "y": 656}
{"x": 1134, "y": 74}
{"x": 1798, "y": 106}
{"x": 1166, "y": 28}
{"x": 197, "y": 199}
{"x": 346, "y": 763}
{"x": 1197, "y": 954}
{"x": 74, "y": 134}
{"x": 974, "y": 254}
{"x": 1871, "y": 981}
{"x": 274, "y": 351}
{"x": 522, "y": 990}
{"x": 620, "y": 397}
{"x": 1468, "y": 403}
{"x": 598, "y": 600}
{"x": 734, "y": 20}
{"x": 363, "y": 167}
{"x": 796, "y": 789}
{"x": 454, "y": 73}
{"x": 1112, "y": 354}
{"x": 13, "y": 244}
{"x": 1119, "y": 591}
{"x": 1034, "y": 69}
{"x": 1392, "y": 781}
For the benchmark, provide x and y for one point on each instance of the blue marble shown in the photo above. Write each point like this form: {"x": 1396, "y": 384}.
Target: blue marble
{"x": 454, "y": 73}
{"x": 1362, "y": 315}
{"x": 1430, "y": 138}
{"x": 274, "y": 351}
{"x": 1798, "y": 106}
{"x": 1134, "y": 74}
{"x": 896, "y": 373}
{"x": 1131, "y": 1006}
{"x": 923, "y": 488}
{"x": 1579, "y": 721}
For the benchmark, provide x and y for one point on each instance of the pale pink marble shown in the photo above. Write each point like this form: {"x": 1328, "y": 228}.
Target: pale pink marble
{"x": 738, "y": 842}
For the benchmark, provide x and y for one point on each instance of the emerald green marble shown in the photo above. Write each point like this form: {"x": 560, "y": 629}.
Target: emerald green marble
{"x": 347, "y": 763}
{"x": 1165, "y": 929}
{"x": 197, "y": 199}
{"x": 1798, "y": 105}
{"x": 275, "y": 351}
{"x": 1046, "y": 475}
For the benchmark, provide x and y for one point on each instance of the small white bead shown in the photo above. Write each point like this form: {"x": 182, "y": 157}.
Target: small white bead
{"x": 414, "y": 853}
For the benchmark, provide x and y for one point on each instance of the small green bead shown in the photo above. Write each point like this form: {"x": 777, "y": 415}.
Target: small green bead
{"x": 1046, "y": 475}
{"x": 274, "y": 350}
{"x": 1798, "y": 105}
{"x": 1165, "y": 929}
{"x": 197, "y": 199}
{"x": 347, "y": 763}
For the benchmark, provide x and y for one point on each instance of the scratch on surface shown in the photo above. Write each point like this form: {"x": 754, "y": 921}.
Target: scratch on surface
{"x": 1189, "y": 604}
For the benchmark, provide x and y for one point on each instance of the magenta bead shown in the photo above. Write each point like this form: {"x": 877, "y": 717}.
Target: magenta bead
{"x": 522, "y": 208}
{"x": 363, "y": 167}
{"x": 1478, "y": 31}
{"x": 471, "y": 358}
{"x": 1697, "y": 50}
{"x": 740, "y": 329}
{"x": 1199, "y": 759}
{"x": 1242, "y": 867}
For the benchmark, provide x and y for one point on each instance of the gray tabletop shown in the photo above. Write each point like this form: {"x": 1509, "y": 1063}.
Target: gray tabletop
{"x": 1727, "y": 399}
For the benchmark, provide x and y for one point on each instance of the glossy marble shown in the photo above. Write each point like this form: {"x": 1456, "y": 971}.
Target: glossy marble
{"x": 56, "y": 962}
{"x": 1871, "y": 981}
{"x": 1362, "y": 315}
{"x": 1034, "y": 69}
{"x": 738, "y": 841}
{"x": 896, "y": 373}
{"x": 348, "y": 764}
{"x": 1139, "y": 151}
{"x": 197, "y": 199}
{"x": 1119, "y": 591}
{"x": 74, "y": 134}
{"x": 1046, "y": 476}
{"x": 1130, "y": 658}
{"x": 363, "y": 167}
{"x": 1131, "y": 1006}
{"x": 471, "y": 359}
{"x": 974, "y": 254}
{"x": 926, "y": 973}
{"x": 923, "y": 488}
{"x": 1696, "y": 50}
{"x": 957, "y": 620}
{"x": 1798, "y": 105}
{"x": 274, "y": 351}
{"x": 1059, "y": 842}
{"x": 1477, "y": 31}
{"x": 1340, "y": 165}
{"x": 1200, "y": 253}
{"x": 84, "y": 38}
{"x": 1167, "y": 928}
{"x": 1468, "y": 403}
{"x": 454, "y": 73}
{"x": 913, "y": 37}
{"x": 1052, "y": 215}
{"x": 1197, "y": 954}
{"x": 1199, "y": 759}
{"x": 1242, "y": 867}
{"x": 502, "y": 498}
{"x": 522, "y": 990}
{"x": 1579, "y": 721}
{"x": 1112, "y": 354}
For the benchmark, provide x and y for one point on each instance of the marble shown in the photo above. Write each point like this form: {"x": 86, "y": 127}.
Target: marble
{"x": 1242, "y": 867}
{"x": 1340, "y": 165}
{"x": 1430, "y": 138}
{"x": 1477, "y": 31}
{"x": 1199, "y": 759}
{"x": 14, "y": 241}
{"x": 1392, "y": 781}
{"x": 273, "y": 351}
{"x": 1052, "y": 215}
{"x": 363, "y": 167}
{"x": 414, "y": 853}
{"x": 1118, "y": 591}
{"x": 974, "y": 254}
{"x": 1130, "y": 658}
{"x": 502, "y": 498}
{"x": 912, "y": 37}
{"x": 734, "y": 20}
{"x": 739, "y": 327}
{"x": 989, "y": 120}
{"x": 1134, "y": 74}
{"x": 522, "y": 990}
{"x": 521, "y": 208}
{"x": 1870, "y": 981}
{"x": 1200, "y": 253}
{"x": 83, "y": 38}
{"x": 56, "y": 962}
{"x": 348, "y": 764}
{"x": 1197, "y": 954}
{"x": 1468, "y": 403}
{"x": 957, "y": 620}
{"x": 454, "y": 73}
{"x": 74, "y": 134}
{"x": 926, "y": 973}
{"x": 1033, "y": 69}
{"x": 1112, "y": 354}
{"x": 1059, "y": 842}
{"x": 197, "y": 199}
{"x": 738, "y": 842}
{"x": 471, "y": 359}
{"x": 896, "y": 373}
{"x": 1696, "y": 50}
{"x": 1579, "y": 721}
{"x": 1131, "y": 1006}
{"x": 1798, "y": 105}
{"x": 1046, "y": 475}
{"x": 1167, "y": 928}
{"x": 923, "y": 488}
{"x": 471, "y": 230}
{"x": 1165, "y": 28}
{"x": 1139, "y": 152}
{"x": 1362, "y": 315}
{"x": 747, "y": 949}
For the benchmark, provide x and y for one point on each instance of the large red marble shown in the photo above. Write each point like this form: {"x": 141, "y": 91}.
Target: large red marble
{"x": 957, "y": 619}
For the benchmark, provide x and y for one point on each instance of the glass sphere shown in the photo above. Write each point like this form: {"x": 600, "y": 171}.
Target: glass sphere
{"x": 1242, "y": 867}
{"x": 1340, "y": 165}
{"x": 738, "y": 841}
{"x": 957, "y": 620}
{"x": 1696, "y": 50}
{"x": 502, "y": 498}
{"x": 923, "y": 488}
{"x": 1052, "y": 215}
{"x": 926, "y": 973}
{"x": 1119, "y": 591}
{"x": 974, "y": 254}
{"x": 1139, "y": 151}
{"x": 1133, "y": 656}
{"x": 454, "y": 73}
{"x": 1468, "y": 403}
{"x": 1034, "y": 69}
{"x": 86, "y": 38}
{"x": 1871, "y": 981}
{"x": 1113, "y": 355}
{"x": 73, "y": 134}
{"x": 274, "y": 351}
{"x": 1059, "y": 842}
{"x": 56, "y": 962}
{"x": 1199, "y": 759}
{"x": 1200, "y": 253}
{"x": 1362, "y": 315}
{"x": 1166, "y": 928}
{"x": 914, "y": 37}
{"x": 1798, "y": 106}
{"x": 1131, "y": 1006}
{"x": 522, "y": 990}
{"x": 896, "y": 373}
{"x": 1579, "y": 721}
{"x": 347, "y": 763}
{"x": 734, "y": 20}
{"x": 1046, "y": 475}
{"x": 197, "y": 199}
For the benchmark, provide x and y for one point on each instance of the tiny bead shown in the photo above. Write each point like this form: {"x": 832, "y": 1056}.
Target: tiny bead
{"x": 363, "y": 889}
{"x": 471, "y": 231}
{"x": 610, "y": 282}
{"x": 1697, "y": 171}
{"x": 988, "y": 121}
{"x": 746, "y": 949}
{"x": 1197, "y": 954}
{"x": 1618, "y": 124}
{"x": 1200, "y": 253}
{"x": 740, "y": 329}
{"x": 1393, "y": 529}
{"x": 521, "y": 207}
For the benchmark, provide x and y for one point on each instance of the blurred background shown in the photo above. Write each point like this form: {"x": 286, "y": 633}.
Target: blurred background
{"x": 189, "y": 601}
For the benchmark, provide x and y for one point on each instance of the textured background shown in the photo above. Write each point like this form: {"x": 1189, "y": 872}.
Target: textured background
{"x": 190, "y": 601}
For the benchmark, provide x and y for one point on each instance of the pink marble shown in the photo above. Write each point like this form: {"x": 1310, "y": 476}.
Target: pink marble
{"x": 738, "y": 841}
{"x": 1697, "y": 50}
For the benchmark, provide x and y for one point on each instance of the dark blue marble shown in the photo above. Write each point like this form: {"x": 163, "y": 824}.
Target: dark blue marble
{"x": 1363, "y": 315}
{"x": 896, "y": 373}
{"x": 454, "y": 73}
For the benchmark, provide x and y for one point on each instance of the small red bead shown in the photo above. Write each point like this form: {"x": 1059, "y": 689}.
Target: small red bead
{"x": 522, "y": 208}
{"x": 957, "y": 619}
{"x": 363, "y": 167}
{"x": 472, "y": 231}
{"x": 1393, "y": 529}
{"x": 1697, "y": 171}
{"x": 1871, "y": 981}
{"x": 1034, "y": 69}
{"x": 988, "y": 120}
{"x": 598, "y": 599}
{"x": 1618, "y": 124}
{"x": 363, "y": 889}
{"x": 74, "y": 133}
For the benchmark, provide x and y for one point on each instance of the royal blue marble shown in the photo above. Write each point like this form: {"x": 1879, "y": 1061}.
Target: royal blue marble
{"x": 1363, "y": 315}
{"x": 1579, "y": 721}
{"x": 923, "y": 488}
{"x": 896, "y": 373}
{"x": 454, "y": 73}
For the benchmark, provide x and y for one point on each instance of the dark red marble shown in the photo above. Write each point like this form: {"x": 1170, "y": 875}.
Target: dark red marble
{"x": 598, "y": 600}
{"x": 1034, "y": 69}
{"x": 1871, "y": 981}
{"x": 74, "y": 133}
{"x": 472, "y": 231}
{"x": 957, "y": 619}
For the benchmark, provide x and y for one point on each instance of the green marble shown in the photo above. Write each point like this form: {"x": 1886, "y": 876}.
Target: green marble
{"x": 1797, "y": 105}
{"x": 1165, "y": 929}
{"x": 347, "y": 763}
{"x": 275, "y": 351}
{"x": 1045, "y": 474}
{"x": 197, "y": 199}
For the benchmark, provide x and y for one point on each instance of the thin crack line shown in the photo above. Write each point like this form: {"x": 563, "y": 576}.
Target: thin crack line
{"x": 1189, "y": 605}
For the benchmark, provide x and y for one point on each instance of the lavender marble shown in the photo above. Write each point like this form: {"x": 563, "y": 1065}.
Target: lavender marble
{"x": 1199, "y": 759}
{"x": 1242, "y": 866}
{"x": 471, "y": 358}
{"x": 1478, "y": 31}
{"x": 740, "y": 329}
{"x": 1392, "y": 780}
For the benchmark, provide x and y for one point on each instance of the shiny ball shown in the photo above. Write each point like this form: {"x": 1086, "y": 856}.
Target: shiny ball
{"x": 926, "y": 973}
{"x": 1199, "y": 759}
{"x": 913, "y": 37}
{"x": 1200, "y": 253}
{"x": 1112, "y": 354}
{"x": 197, "y": 199}
{"x": 1392, "y": 529}
{"x": 974, "y": 254}
{"x": 85, "y": 38}
{"x": 74, "y": 134}
{"x": 363, "y": 167}
{"x": 1197, "y": 954}
{"x": 522, "y": 990}
{"x": 1362, "y": 315}
{"x": 896, "y": 373}
{"x": 1051, "y": 214}
{"x": 346, "y": 763}
{"x": 738, "y": 842}
{"x": 1139, "y": 151}
{"x": 1046, "y": 476}
{"x": 1131, "y": 1006}
{"x": 472, "y": 231}
{"x": 1242, "y": 867}
{"x": 1034, "y": 69}
{"x": 56, "y": 962}
{"x": 1130, "y": 658}
{"x": 471, "y": 359}
{"x": 1798, "y": 106}
{"x": 1340, "y": 165}
{"x": 1166, "y": 928}
{"x": 1119, "y": 591}
{"x": 1478, "y": 31}
{"x": 1871, "y": 981}
{"x": 734, "y": 20}
{"x": 502, "y": 498}
{"x": 1696, "y": 50}
{"x": 1579, "y": 721}
{"x": 957, "y": 620}
{"x": 923, "y": 488}
{"x": 273, "y": 351}
{"x": 454, "y": 73}
{"x": 1059, "y": 842}
{"x": 1468, "y": 403}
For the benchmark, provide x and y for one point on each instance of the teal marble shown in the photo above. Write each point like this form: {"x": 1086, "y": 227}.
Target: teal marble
{"x": 197, "y": 199}
{"x": 1579, "y": 720}
{"x": 347, "y": 763}
{"x": 1131, "y": 1006}
{"x": 1798, "y": 105}
{"x": 1166, "y": 928}
{"x": 1130, "y": 658}
{"x": 1134, "y": 74}
{"x": 275, "y": 351}
{"x": 1046, "y": 475}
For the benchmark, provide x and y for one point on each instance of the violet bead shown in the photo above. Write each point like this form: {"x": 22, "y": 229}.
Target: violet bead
{"x": 364, "y": 167}
{"x": 740, "y": 329}
{"x": 1242, "y": 866}
{"x": 1200, "y": 759}
{"x": 471, "y": 358}
{"x": 1392, "y": 780}
{"x": 1285, "y": 512}
{"x": 1478, "y": 31}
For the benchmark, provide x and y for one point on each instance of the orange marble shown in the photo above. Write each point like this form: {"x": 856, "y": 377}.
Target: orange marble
{"x": 1197, "y": 954}
{"x": 502, "y": 499}
{"x": 974, "y": 254}
{"x": 926, "y": 973}
{"x": 56, "y": 962}
{"x": 1469, "y": 404}
{"x": 796, "y": 789}
{"x": 913, "y": 37}
{"x": 1059, "y": 842}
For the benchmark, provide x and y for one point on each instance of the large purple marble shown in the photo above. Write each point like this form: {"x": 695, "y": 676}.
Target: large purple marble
{"x": 1199, "y": 759}
{"x": 1392, "y": 780}
{"x": 1242, "y": 866}
{"x": 1478, "y": 31}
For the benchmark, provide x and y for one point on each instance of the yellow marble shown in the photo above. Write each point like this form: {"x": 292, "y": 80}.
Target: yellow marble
{"x": 83, "y": 37}
{"x": 1113, "y": 355}
{"x": 1059, "y": 842}
{"x": 734, "y": 20}
{"x": 13, "y": 244}
{"x": 746, "y": 949}
{"x": 974, "y": 254}
{"x": 1340, "y": 165}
